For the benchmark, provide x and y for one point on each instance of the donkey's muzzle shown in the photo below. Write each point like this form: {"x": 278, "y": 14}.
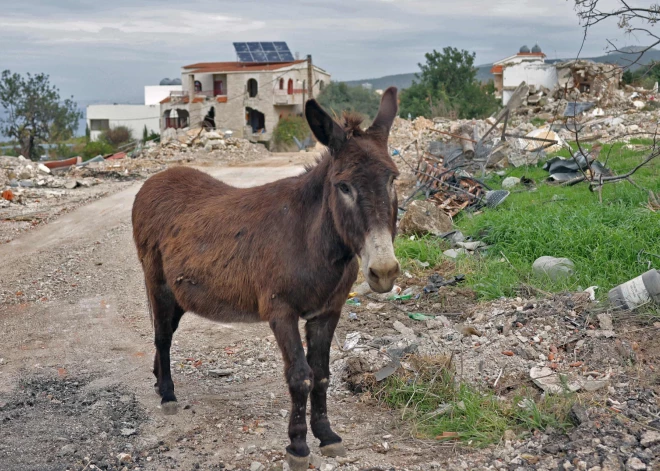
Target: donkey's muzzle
{"x": 379, "y": 265}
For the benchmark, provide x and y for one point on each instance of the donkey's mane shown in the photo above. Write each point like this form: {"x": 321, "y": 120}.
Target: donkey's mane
{"x": 351, "y": 123}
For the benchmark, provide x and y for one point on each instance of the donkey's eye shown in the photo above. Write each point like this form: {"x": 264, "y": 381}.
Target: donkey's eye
{"x": 344, "y": 188}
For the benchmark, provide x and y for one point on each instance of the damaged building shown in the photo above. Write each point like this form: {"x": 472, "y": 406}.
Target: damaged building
{"x": 247, "y": 96}
{"x": 568, "y": 80}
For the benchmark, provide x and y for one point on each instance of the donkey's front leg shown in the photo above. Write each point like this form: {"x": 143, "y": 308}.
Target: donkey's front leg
{"x": 299, "y": 378}
{"x": 320, "y": 331}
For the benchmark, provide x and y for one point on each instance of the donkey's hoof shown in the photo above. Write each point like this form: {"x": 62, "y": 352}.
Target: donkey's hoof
{"x": 333, "y": 450}
{"x": 170, "y": 408}
{"x": 297, "y": 463}
{"x": 157, "y": 389}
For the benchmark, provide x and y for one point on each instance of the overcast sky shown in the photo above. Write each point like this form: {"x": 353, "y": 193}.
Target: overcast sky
{"x": 110, "y": 50}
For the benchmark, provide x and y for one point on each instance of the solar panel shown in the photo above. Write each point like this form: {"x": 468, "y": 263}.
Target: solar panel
{"x": 263, "y": 52}
{"x": 245, "y": 57}
{"x": 286, "y": 57}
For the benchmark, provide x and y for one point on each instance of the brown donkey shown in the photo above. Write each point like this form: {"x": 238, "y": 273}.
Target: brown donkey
{"x": 277, "y": 253}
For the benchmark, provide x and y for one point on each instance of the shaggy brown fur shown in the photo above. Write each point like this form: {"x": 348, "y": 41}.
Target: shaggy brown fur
{"x": 271, "y": 253}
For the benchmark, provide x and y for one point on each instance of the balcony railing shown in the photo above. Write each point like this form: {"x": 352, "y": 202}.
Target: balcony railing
{"x": 182, "y": 96}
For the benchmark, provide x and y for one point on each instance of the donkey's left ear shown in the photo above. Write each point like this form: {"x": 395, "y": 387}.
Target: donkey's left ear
{"x": 386, "y": 112}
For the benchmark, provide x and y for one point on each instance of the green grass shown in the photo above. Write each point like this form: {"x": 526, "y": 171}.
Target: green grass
{"x": 426, "y": 249}
{"x": 436, "y": 404}
{"x": 603, "y": 240}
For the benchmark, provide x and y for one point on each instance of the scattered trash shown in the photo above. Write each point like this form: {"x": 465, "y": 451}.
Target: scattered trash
{"x": 636, "y": 292}
{"x": 352, "y": 339}
{"x": 553, "y": 267}
{"x": 418, "y": 316}
{"x": 436, "y": 281}
{"x": 352, "y": 316}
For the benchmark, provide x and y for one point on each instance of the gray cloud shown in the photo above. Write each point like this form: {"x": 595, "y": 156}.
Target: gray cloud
{"x": 99, "y": 51}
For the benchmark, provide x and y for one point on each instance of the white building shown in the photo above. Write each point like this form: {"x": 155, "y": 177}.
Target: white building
{"x": 134, "y": 117}
{"x": 526, "y": 66}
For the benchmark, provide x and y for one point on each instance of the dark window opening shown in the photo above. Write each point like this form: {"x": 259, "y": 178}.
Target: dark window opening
{"x": 321, "y": 85}
{"x": 256, "y": 120}
{"x": 198, "y": 86}
{"x": 99, "y": 124}
{"x": 176, "y": 119}
{"x": 289, "y": 87}
{"x": 585, "y": 87}
{"x": 253, "y": 88}
{"x": 218, "y": 88}
{"x": 281, "y": 84}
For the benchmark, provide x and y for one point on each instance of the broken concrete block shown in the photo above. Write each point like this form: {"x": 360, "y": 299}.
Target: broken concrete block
{"x": 553, "y": 267}
{"x": 407, "y": 332}
{"x": 510, "y": 182}
{"x": 424, "y": 217}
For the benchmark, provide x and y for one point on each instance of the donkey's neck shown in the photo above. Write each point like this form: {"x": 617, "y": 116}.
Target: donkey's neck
{"x": 322, "y": 236}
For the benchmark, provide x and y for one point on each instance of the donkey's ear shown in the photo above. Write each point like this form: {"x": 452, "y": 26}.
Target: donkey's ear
{"x": 326, "y": 130}
{"x": 386, "y": 112}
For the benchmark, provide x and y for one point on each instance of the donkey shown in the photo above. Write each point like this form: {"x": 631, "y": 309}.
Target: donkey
{"x": 276, "y": 253}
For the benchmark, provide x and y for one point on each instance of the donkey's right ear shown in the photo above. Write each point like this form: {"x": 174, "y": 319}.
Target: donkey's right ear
{"x": 325, "y": 129}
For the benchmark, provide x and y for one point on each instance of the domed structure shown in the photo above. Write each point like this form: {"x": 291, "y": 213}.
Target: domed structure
{"x": 176, "y": 81}
{"x": 166, "y": 81}
{"x": 537, "y": 49}
{"x": 524, "y": 50}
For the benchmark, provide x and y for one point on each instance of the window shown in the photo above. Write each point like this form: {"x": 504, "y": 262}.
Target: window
{"x": 253, "y": 88}
{"x": 281, "y": 84}
{"x": 321, "y": 85}
{"x": 289, "y": 87}
{"x": 198, "y": 86}
{"x": 99, "y": 124}
{"x": 585, "y": 87}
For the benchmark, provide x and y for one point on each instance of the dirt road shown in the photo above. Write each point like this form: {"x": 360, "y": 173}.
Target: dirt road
{"x": 76, "y": 354}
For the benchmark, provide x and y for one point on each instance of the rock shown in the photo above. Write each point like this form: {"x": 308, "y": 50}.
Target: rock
{"x": 218, "y": 373}
{"x": 546, "y": 379}
{"x": 635, "y": 464}
{"x": 127, "y": 432}
{"x": 510, "y": 182}
{"x": 328, "y": 467}
{"x": 424, "y": 217}
{"x": 553, "y": 267}
{"x": 315, "y": 460}
{"x": 407, "y": 332}
{"x": 124, "y": 458}
{"x": 592, "y": 385}
{"x": 69, "y": 449}
{"x": 42, "y": 168}
{"x": 611, "y": 463}
{"x": 578, "y": 414}
{"x": 256, "y": 466}
{"x": 650, "y": 438}
{"x": 454, "y": 253}
{"x": 70, "y": 184}
{"x": 284, "y": 412}
{"x": 605, "y": 321}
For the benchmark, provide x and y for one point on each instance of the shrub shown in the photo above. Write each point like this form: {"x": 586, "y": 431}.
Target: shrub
{"x": 94, "y": 148}
{"x": 289, "y": 127}
{"x": 117, "y": 136}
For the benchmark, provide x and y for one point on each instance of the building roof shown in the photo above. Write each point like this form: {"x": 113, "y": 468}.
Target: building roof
{"x": 220, "y": 67}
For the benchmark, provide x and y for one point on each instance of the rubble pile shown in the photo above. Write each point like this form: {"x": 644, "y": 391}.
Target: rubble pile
{"x": 179, "y": 144}
{"x": 19, "y": 172}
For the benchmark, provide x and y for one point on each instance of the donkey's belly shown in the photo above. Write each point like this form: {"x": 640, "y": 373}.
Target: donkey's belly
{"x": 224, "y": 312}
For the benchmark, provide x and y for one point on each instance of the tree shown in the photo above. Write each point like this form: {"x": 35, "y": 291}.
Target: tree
{"x": 338, "y": 97}
{"x": 35, "y": 112}
{"x": 447, "y": 86}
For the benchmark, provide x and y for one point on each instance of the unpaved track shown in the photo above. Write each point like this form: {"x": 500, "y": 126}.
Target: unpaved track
{"x": 80, "y": 319}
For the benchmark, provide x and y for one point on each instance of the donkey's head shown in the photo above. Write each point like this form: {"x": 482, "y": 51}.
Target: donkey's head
{"x": 362, "y": 196}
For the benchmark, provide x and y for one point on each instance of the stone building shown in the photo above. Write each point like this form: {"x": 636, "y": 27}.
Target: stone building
{"x": 246, "y": 98}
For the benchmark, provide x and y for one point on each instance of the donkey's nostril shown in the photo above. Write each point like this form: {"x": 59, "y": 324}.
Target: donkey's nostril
{"x": 373, "y": 274}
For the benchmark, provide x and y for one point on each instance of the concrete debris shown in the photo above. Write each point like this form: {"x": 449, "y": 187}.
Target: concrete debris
{"x": 510, "y": 182}
{"x": 424, "y": 217}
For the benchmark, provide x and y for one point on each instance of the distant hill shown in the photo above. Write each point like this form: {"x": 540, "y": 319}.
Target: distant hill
{"x": 623, "y": 59}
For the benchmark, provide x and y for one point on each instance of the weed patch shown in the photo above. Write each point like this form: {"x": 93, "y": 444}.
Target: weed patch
{"x": 440, "y": 407}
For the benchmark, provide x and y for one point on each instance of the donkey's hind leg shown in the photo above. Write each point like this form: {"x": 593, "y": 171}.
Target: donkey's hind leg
{"x": 166, "y": 315}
